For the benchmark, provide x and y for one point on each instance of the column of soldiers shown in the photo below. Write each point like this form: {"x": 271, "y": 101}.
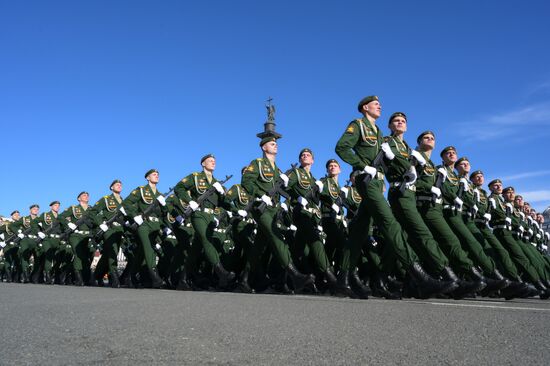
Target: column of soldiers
{"x": 439, "y": 233}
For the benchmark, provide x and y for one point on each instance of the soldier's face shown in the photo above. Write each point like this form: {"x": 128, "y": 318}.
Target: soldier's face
{"x": 510, "y": 196}
{"x": 540, "y": 219}
{"x": 55, "y": 208}
{"x": 306, "y": 158}
{"x": 478, "y": 179}
{"x": 84, "y": 198}
{"x": 427, "y": 142}
{"x": 496, "y": 188}
{"x": 373, "y": 109}
{"x": 270, "y": 147}
{"x": 34, "y": 211}
{"x": 209, "y": 164}
{"x": 518, "y": 200}
{"x": 398, "y": 125}
{"x": 450, "y": 157}
{"x": 333, "y": 169}
{"x": 117, "y": 188}
{"x": 15, "y": 216}
{"x": 153, "y": 177}
{"x": 463, "y": 167}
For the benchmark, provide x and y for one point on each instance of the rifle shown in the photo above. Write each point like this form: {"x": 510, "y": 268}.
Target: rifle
{"x": 376, "y": 163}
{"x": 438, "y": 184}
{"x": 277, "y": 188}
{"x": 14, "y": 239}
{"x": 78, "y": 222}
{"x": 48, "y": 230}
{"x": 145, "y": 212}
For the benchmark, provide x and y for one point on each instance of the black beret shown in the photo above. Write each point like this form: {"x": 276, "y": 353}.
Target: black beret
{"x": 150, "y": 171}
{"x": 54, "y": 203}
{"x": 475, "y": 173}
{"x": 397, "y": 114}
{"x": 14, "y": 212}
{"x": 460, "y": 160}
{"x": 419, "y": 138}
{"x": 33, "y": 205}
{"x": 267, "y": 139}
{"x": 81, "y": 193}
{"x": 448, "y": 148}
{"x": 305, "y": 149}
{"x": 494, "y": 181}
{"x": 206, "y": 157}
{"x": 508, "y": 189}
{"x": 115, "y": 182}
{"x": 366, "y": 100}
{"x": 331, "y": 161}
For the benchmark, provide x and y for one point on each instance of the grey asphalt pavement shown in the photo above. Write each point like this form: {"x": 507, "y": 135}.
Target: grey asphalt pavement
{"x": 65, "y": 325}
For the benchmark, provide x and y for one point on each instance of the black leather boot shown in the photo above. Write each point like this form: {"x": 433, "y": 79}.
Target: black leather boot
{"x": 156, "y": 281}
{"x": 114, "y": 281}
{"x": 224, "y": 277}
{"x": 544, "y": 293}
{"x": 427, "y": 285}
{"x": 361, "y": 289}
{"x": 495, "y": 282}
{"x": 8, "y": 275}
{"x": 244, "y": 286}
{"x": 342, "y": 285}
{"x": 299, "y": 280}
{"x": 380, "y": 288}
{"x": 78, "y": 279}
{"x": 182, "y": 284}
{"x": 515, "y": 289}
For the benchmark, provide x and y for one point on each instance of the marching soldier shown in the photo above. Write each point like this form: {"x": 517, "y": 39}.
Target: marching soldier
{"x": 28, "y": 242}
{"x": 148, "y": 225}
{"x": 203, "y": 220}
{"x": 9, "y": 230}
{"x": 359, "y": 146}
{"x": 49, "y": 234}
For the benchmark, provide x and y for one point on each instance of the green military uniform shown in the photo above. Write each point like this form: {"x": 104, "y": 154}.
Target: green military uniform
{"x": 79, "y": 241}
{"x": 50, "y": 244}
{"x": 104, "y": 210}
{"x": 28, "y": 243}
{"x": 333, "y": 220}
{"x": 135, "y": 205}
{"x": 10, "y": 230}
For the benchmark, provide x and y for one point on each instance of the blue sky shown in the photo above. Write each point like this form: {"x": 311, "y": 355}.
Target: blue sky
{"x": 96, "y": 90}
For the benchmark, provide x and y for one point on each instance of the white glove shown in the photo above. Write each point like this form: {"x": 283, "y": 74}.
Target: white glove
{"x": 418, "y": 156}
{"x": 230, "y": 214}
{"x": 194, "y": 205}
{"x": 161, "y": 200}
{"x": 475, "y": 208}
{"x": 387, "y": 151}
{"x": 216, "y": 222}
{"x": 284, "y": 206}
{"x": 510, "y": 206}
{"x": 545, "y": 247}
{"x": 2, "y": 236}
{"x": 443, "y": 172}
{"x": 121, "y": 209}
{"x": 458, "y": 203}
{"x": 436, "y": 191}
{"x": 477, "y": 194}
{"x": 242, "y": 213}
{"x": 320, "y": 185}
{"x": 284, "y": 178}
{"x": 335, "y": 207}
{"x": 138, "y": 220}
{"x": 487, "y": 216}
{"x": 493, "y": 203}
{"x": 267, "y": 200}
{"x": 345, "y": 190}
{"x": 508, "y": 221}
{"x": 41, "y": 235}
{"x": 530, "y": 231}
{"x": 521, "y": 229}
{"x": 40, "y": 245}
{"x": 167, "y": 231}
{"x": 538, "y": 236}
{"x": 464, "y": 181}
{"x": 522, "y": 215}
{"x": 72, "y": 226}
{"x": 179, "y": 219}
{"x": 218, "y": 187}
{"x": 293, "y": 227}
{"x": 157, "y": 246}
{"x": 410, "y": 176}
{"x": 370, "y": 171}
{"x": 21, "y": 236}
{"x": 40, "y": 224}
{"x": 104, "y": 227}
{"x": 302, "y": 201}
{"x": 2, "y": 244}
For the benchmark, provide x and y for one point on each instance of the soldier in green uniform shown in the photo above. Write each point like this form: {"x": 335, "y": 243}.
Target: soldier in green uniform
{"x": 502, "y": 225}
{"x": 260, "y": 177}
{"x": 28, "y": 243}
{"x": 79, "y": 239}
{"x": 203, "y": 220}
{"x": 104, "y": 210}
{"x": 49, "y": 235}
{"x": 9, "y": 230}
{"x": 304, "y": 200}
{"x": 359, "y": 146}
{"x": 148, "y": 225}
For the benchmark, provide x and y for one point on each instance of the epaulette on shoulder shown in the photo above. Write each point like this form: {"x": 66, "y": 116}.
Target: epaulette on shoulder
{"x": 195, "y": 174}
{"x": 259, "y": 159}
{"x": 105, "y": 197}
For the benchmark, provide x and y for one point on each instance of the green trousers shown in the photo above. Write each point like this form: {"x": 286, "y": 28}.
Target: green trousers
{"x": 496, "y": 251}
{"x": 203, "y": 225}
{"x": 336, "y": 238}
{"x": 374, "y": 205}
{"x": 534, "y": 257}
{"x": 63, "y": 258}
{"x": 50, "y": 247}
{"x": 403, "y": 206}
{"x": 146, "y": 236}
{"x": 184, "y": 238}
{"x": 309, "y": 242}
{"x": 108, "y": 262}
{"x": 269, "y": 233}
{"x": 517, "y": 254}
{"x": 243, "y": 236}
{"x": 26, "y": 248}
{"x": 81, "y": 250}
{"x": 468, "y": 241}
{"x": 432, "y": 214}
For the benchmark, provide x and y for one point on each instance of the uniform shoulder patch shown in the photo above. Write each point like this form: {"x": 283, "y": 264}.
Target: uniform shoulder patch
{"x": 134, "y": 192}
{"x": 351, "y": 128}
{"x": 250, "y": 168}
{"x": 104, "y": 197}
{"x": 195, "y": 174}
{"x": 259, "y": 159}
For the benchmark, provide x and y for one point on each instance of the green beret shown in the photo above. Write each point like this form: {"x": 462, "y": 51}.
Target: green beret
{"x": 366, "y": 100}
{"x": 267, "y": 139}
{"x": 81, "y": 193}
{"x": 508, "y": 189}
{"x": 520, "y": 196}
{"x": 33, "y": 205}
{"x": 206, "y": 157}
{"x": 55, "y": 203}
{"x": 305, "y": 149}
{"x": 448, "y": 148}
{"x": 419, "y": 138}
{"x": 150, "y": 171}
{"x": 460, "y": 160}
{"x": 397, "y": 114}
{"x": 114, "y": 182}
{"x": 331, "y": 161}
{"x": 475, "y": 173}
{"x": 493, "y": 182}
{"x": 14, "y": 212}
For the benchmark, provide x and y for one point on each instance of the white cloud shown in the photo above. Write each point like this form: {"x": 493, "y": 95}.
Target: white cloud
{"x": 537, "y": 173}
{"x": 536, "y": 196}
